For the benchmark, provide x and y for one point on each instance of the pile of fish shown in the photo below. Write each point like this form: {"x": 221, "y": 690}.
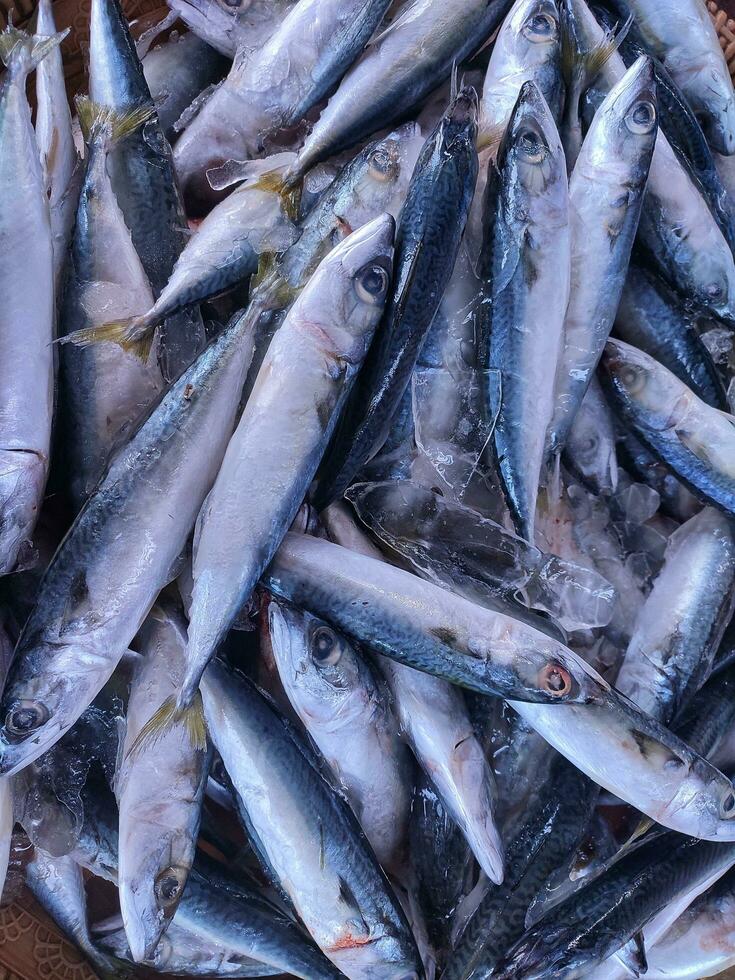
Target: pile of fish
{"x": 367, "y": 498}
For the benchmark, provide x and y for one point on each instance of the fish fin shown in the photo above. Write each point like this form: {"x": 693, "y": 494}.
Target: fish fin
{"x": 408, "y": 12}
{"x": 21, "y": 52}
{"x": 582, "y": 66}
{"x": 271, "y": 179}
{"x": 641, "y": 828}
{"x": 100, "y": 123}
{"x": 127, "y": 334}
{"x": 491, "y": 138}
{"x": 190, "y": 718}
{"x": 146, "y": 39}
{"x": 237, "y": 171}
{"x": 633, "y": 955}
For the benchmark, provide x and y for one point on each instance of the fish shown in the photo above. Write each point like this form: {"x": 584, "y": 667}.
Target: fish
{"x": 684, "y": 39}
{"x": 526, "y": 270}
{"x": 606, "y": 191}
{"x": 679, "y": 234}
{"x": 60, "y": 164}
{"x": 640, "y": 762}
{"x": 159, "y": 820}
{"x": 650, "y": 318}
{"x": 701, "y": 942}
{"x": 591, "y": 451}
{"x": 580, "y": 933}
{"x": 681, "y": 623}
{"x": 695, "y": 441}
{"x": 103, "y": 391}
{"x": 707, "y": 720}
{"x": 179, "y": 72}
{"x": 345, "y": 710}
{"x": 143, "y": 177}
{"x": 676, "y": 118}
{"x": 222, "y": 915}
{"x": 435, "y": 721}
{"x": 28, "y": 312}
{"x": 229, "y": 25}
{"x": 299, "y": 392}
{"x": 527, "y": 48}
{"x": 374, "y": 181}
{"x": 84, "y": 618}
{"x": 57, "y": 885}
{"x": 426, "y": 245}
{"x": 549, "y": 834}
{"x": 426, "y": 627}
{"x": 274, "y": 86}
{"x": 398, "y": 69}
{"x": 224, "y": 251}
{"x": 181, "y": 952}
{"x": 456, "y": 548}
{"x": 443, "y": 863}
{"x": 333, "y": 878}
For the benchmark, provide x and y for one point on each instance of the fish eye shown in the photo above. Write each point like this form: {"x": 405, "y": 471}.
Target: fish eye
{"x": 326, "y": 649}
{"x": 555, "y": 680}
{"x": 642, "y": 118}
{"x": 727, "y": 805}
{"x": 233, "y": 4}
{"x": 633, "y": 379}
{"x": 531, "y": 147}
{"x": 169, "y": 885}
{"x": 589, "y": 444}
{"x": 371, "y": 284}
{"x": 715, "y": 290}
{"x": 383, "y": 165}
{"x": 25, "y": 717}
{"x": 540, "y": 27}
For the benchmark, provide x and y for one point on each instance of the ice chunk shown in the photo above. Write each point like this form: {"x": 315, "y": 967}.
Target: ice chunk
{"x": 433, "y": 532}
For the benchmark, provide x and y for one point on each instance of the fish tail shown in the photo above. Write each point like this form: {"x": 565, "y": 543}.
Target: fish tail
{"x": 21, "y": 53}
{"x": 188, "y": 717}
{"x": 580, "y": 66}
{"x": 134, "y": 335}
{"x": 269, "y": 174}
{"x": 103, "y": 125}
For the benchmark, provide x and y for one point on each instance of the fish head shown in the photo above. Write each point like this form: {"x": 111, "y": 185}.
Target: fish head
{"x": 378, "y": 177}
{"x": 532, "y": 147}
{"x": 704, "y": 804}
{"x": 344, "y": 299}
{"x": 591, "y": 446}
{"x": 627, "y": 120}
{"x": 645, "y": 389}
{"x": 530, "y": 42}
{"x": 717, "y": 117}
{"x": 151, "y": 883}
{"x": 713, "y": 270}
{"x": 37, "y": 708}
{"x": 455, "y": 135}
{"x": 321, "y": 671}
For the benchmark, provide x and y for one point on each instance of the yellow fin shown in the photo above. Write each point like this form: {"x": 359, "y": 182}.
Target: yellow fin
{"x": 127, "y": 334}
{"x": 100, "y": 122}
{"x": 190, "y": 719}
